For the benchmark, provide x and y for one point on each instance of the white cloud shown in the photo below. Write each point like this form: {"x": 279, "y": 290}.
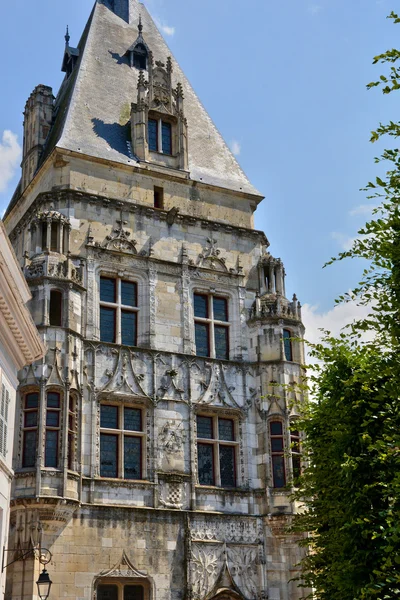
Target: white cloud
{"x": 344, "y": 241}
{"x": 314, "y": 9}
{"x": 332, "y": 320}
{"x": 10, "y": 156}
{"x": 236, "y": 147}
{"x": 362, "y": 209}
{"x": 166, "y": 29}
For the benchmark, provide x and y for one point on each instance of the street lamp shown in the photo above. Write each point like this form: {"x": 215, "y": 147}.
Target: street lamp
{"x": 44, "y": 585}
{"x": 44, "y": 556}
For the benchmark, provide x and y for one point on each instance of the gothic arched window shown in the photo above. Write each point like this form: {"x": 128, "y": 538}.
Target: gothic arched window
{"x": 140, "y": 57}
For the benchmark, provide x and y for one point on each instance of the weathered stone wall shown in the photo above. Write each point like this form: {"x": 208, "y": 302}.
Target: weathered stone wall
{"x": 181, "y": 538}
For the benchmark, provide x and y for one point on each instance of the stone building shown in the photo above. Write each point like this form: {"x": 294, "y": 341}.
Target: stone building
{"x": 157, "y": 443}
{"x": 20, "y": 345}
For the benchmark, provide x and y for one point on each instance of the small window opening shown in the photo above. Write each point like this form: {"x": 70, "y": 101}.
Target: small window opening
{"x": 158, "y": 197}
{"x": 55, "y": 308}
{"x": 266, "y": 277}
{"x": 44, "y": 236}
{"x": 54, "y": 237}
{"x": 288, "y": 345}
{"x": 140, "y": 57}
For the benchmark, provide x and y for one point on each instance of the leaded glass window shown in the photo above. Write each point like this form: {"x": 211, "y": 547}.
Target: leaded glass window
{"x": 296, "y": 453}
{"x": 153, "y": 135}
{"x": 72, "y": 431}
{"x": 288, "y": 344}
{"x": 121, "y": 442}
{"x": 205, "y": 456}
{"x": 277, "y": 454}
{"x": 118, "y": 311}
{"x": 166, "y": 129}
{"x": 53, "y": 415}
{"x": 216, "y": 451}
{"x": 159, "y": 134}
{"x": 227, "y": 466}
{"x": 31, "y": 417}
{"x": 202, "y": 336}
{"x": 211, "y": 326}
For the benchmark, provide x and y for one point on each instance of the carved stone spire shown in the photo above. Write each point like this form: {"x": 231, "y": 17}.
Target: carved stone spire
{"x": 67, "y": 37}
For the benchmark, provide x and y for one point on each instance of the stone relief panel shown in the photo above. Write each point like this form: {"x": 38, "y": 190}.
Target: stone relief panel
{"x": 206, "y": 565}
{"x": 162, "y": 376}
{"x": 120, "y": 371}
{"x": 171, "y": 440}
{"x": 173, "y": 493}
{"x": 171, "y": 378}
{"x": 237, "y": 530}
{"x": 209, "y": 563}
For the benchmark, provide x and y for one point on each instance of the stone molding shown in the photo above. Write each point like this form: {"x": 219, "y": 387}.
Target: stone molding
{"x": 132, "y": 207}
{"x": 18, "y": 333}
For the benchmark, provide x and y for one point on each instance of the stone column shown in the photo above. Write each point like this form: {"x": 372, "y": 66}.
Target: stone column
{"x": 271, "y": 279}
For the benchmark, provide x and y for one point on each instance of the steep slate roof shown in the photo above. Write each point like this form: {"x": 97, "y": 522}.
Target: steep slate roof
{"x": 95, "y": 108}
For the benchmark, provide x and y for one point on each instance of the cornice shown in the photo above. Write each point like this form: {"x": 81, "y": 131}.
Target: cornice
{"x": 6, "y": 470}
{"x": 141, "y": 209}
{"x": 18, "y": 333}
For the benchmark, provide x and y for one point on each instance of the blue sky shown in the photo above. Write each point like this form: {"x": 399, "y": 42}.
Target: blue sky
{"x": 284, "y": 82}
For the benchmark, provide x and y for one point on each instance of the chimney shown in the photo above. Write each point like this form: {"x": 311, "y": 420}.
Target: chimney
{"x": 37, "y": 123}
{"x": 119, "y": 7}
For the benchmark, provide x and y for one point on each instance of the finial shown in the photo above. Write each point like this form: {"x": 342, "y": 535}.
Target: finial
{"x": 140, "y": 26}
{"x": 67, "y": 37}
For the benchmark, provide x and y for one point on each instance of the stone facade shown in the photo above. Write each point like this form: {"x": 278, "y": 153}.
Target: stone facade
{"x": 20, "y": 345}
{"x": 84, "y": 219}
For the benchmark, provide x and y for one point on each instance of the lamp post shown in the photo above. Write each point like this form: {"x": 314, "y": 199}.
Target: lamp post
{"x": 44, "y": 585}
{"x": 44, "y": 556}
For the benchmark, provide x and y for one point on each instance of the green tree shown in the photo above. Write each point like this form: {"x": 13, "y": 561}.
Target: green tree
{"x": 350, "y": 490}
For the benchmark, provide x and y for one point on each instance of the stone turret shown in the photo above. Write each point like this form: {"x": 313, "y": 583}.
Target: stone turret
{"x": 38, "y": 119}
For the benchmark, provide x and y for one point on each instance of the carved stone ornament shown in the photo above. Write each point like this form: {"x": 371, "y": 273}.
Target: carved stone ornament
{"x": 119, "y": 240}
{"x": 216, "y": 390}
{"x": 35, "y": 270}
{"x": 170, "y": 388}
{"x": 210, "y": 257}
{"x": 55, "y": 377}
{"x": 171, "y": 494}
{"x": 215, "y": 568}
{"x": 205, "y": 567}
{"x": 124, "y": 569}
{"x": 237, "y": 530}
{"x": 122, "y": 379}
{"x": 172, "y": 437}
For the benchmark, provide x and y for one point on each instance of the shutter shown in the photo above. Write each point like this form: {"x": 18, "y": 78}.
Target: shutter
{"x": 3, "y": 400}
{"x": 5, "y": 440}
{"x": 6, "y": 407}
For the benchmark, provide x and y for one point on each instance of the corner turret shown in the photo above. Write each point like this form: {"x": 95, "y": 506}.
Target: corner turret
{"x": 37, "y": 123}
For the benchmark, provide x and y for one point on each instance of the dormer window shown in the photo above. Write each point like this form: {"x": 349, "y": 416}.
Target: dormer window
{"x": 140, "y": 56}
{"x": 160, "y": 136}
